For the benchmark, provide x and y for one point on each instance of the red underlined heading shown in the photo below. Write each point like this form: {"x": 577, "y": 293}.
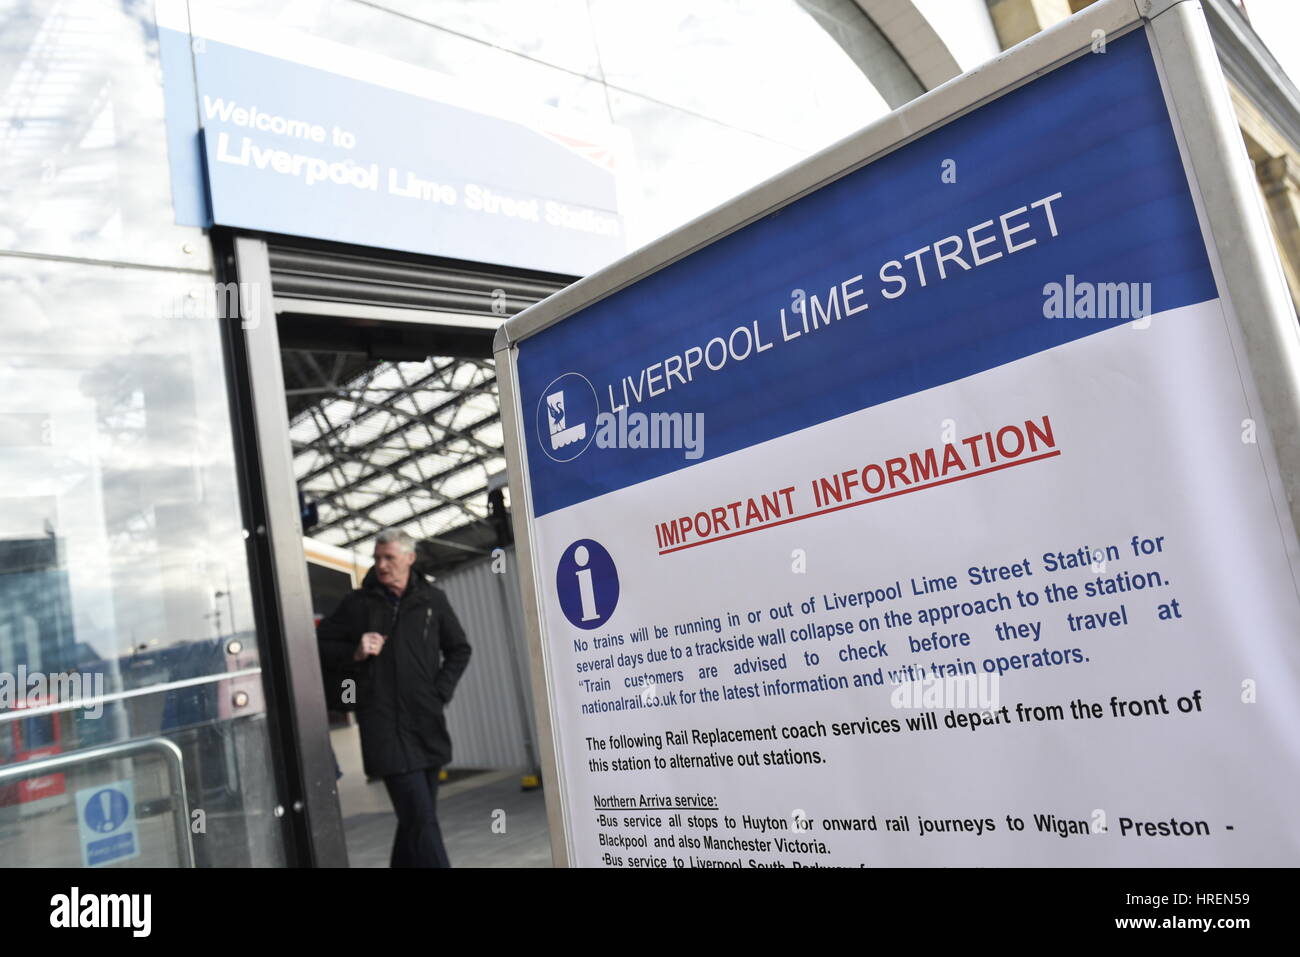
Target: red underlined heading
{"x": 838, "y": 491}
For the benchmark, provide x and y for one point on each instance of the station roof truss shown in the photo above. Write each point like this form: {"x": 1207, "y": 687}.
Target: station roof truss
{"x": 409, "y": 445}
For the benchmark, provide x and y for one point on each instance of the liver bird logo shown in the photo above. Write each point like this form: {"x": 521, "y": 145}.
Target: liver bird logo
{"x": 562, "y": 434}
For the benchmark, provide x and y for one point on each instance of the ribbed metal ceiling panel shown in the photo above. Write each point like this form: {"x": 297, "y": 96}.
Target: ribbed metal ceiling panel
{"x": 337, "y": 277}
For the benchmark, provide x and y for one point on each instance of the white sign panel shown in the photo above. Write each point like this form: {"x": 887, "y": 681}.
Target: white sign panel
{"x": 926, "y": 521}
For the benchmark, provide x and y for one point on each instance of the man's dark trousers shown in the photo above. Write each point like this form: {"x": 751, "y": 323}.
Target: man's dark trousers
{"x": 419, "y": 839}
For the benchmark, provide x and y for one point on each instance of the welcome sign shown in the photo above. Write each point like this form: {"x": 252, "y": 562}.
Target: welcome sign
{"x": 276, "y": 131}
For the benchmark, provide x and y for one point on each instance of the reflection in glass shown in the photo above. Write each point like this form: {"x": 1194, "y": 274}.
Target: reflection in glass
{"x": 717, "y": 94}
{"x": 557, "y": 32}
{"x": 83, "y": 150}
{"x": 487, "y": 70}
{"x": 123, "y": 575}
{"x": 769, "y": 68}
{"x": 679, "y": 184}
{"x": 189, "y": 805}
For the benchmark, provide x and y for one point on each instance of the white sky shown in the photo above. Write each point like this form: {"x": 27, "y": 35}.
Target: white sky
{"x": 1278, "y": 24}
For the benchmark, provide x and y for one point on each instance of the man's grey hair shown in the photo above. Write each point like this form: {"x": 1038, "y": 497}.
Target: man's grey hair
{"x": 390, "y": 535}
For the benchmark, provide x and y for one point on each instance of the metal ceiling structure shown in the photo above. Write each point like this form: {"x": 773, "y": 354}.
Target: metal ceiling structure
{"x": 410, "y": 445}
{"x": 382, "y": 435}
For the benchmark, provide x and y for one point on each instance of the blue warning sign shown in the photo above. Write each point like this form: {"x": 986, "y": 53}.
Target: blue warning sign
{"x": 106, "y": 823}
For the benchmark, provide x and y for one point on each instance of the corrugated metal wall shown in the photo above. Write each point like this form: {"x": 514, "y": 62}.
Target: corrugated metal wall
{"x": 491, "y": 715}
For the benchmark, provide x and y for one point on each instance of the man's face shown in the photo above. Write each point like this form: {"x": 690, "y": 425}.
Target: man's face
{"x": 393, "y": 566}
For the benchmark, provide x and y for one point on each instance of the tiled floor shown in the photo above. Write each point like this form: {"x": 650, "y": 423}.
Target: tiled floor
{"x": 467, "y": 810}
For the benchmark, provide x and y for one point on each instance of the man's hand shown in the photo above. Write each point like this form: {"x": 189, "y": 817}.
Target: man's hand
{"x": 372, "y": 643}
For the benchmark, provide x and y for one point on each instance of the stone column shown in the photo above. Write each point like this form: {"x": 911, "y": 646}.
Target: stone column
{"x": 1016, "y": 20}
{"x": 1279, "y": 181}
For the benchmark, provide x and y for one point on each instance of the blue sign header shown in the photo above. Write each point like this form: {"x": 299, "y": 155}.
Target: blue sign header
{"x": 988, "y": 240}
{"x": 275, "y": 144}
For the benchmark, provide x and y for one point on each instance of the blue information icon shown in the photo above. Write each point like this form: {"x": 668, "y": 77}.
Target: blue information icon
{"x": 107, "y": 810}
{"x": 587, "y": 584}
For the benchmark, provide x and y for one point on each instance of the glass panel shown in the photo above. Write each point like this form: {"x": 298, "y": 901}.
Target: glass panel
{"x": 123, "y": 574}
{"x": 680, "y": 183}
{"x": 764, "y": 67}
{"x": 83, "y": 149}
{"x": 489, "y": 71}
{"x": 40, "y": 823}
{"x": 553, "y": 31}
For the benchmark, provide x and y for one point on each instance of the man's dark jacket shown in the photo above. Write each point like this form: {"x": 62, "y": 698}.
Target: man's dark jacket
{"x": 401, "y": 692}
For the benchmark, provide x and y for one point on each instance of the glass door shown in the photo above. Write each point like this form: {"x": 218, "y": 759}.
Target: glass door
{"x": 134, "y": 727}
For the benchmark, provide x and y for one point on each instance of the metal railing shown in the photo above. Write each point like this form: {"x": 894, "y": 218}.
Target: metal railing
{"x": 172, "y": 757}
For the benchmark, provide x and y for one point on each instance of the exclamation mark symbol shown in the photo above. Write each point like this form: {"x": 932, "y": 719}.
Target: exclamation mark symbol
{"x": 106, "y": 810}
{"x": 586, "y": 591}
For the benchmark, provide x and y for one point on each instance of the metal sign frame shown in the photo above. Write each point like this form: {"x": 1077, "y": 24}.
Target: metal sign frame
{"x": 1233, "y": 223}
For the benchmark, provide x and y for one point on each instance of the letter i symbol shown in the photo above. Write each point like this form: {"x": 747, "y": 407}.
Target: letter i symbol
{"x": 586, "y": 593}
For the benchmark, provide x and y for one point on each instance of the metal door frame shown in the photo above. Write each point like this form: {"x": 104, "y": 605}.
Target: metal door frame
{"x": 313, "y": 822}
{"x": 278, "y": 566}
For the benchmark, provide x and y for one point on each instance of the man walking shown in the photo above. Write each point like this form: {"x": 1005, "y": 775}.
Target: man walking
{"x": 399, "y": 637}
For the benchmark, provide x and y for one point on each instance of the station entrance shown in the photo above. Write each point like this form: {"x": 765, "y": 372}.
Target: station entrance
{"x": 368, "y": 400}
